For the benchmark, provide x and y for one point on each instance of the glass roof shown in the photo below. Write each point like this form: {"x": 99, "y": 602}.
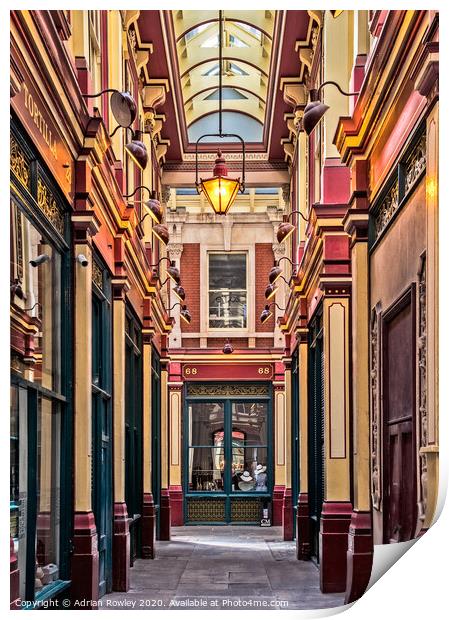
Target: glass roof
{"x": 247, "y": 40}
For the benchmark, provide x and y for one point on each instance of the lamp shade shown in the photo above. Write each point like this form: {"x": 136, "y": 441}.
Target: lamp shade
{"x": 123, "y": 108}
{"x": 173, "y": 272}
{"x": 185, "y": 315}
{"x": 219, "y": 190}
{"x": 161, "y": 232}
{"x": 265, "y": 314}
{"x": 228, "y": 348}
{"x": 274, "y": 274}
{"x": 270, "y": 291}
{"x": 285, "y": 229}
{"x": 313, "y": 113}
{"x": 137, "y": 150}
{"x": 155, "y": 210}
{"x": 179, "y": 291}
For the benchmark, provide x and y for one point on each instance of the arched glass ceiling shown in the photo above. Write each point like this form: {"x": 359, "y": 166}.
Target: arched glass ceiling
{"x": 246, "y": 64}
{"x": 250, "y": 129}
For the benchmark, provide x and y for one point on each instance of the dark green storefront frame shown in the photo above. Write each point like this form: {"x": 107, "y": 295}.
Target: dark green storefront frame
{"x": 227, "y": 400}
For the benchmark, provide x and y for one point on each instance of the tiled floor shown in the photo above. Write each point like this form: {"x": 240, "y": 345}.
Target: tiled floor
{"x": 227, "y": 567}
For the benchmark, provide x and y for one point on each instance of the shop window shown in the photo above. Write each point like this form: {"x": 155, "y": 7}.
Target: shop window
{"x": 228, "y": 291}
{"x": 48, "y": 492}
{"x": 40, "y": 437}
{"x": 228, "y": 447}
{"x": 36, "y": 275}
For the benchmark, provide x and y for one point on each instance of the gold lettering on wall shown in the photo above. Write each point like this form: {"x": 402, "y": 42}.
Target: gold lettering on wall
{"x": 39, "y": 121}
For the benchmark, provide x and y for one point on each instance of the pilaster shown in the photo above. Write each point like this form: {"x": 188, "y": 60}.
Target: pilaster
{"x": 336, "y": 512}
{"x": 302, "y": 510}
{"x": 176, "y": 499}
{"x": 279, "y": 452}
{"x": 148, "y": 509}
{"x": 121, "y": 536}
{"x": 360, "y": 539}
{"x": 164, "y": 509}
{"x": 287, "y": 505}
{"x": 85, "y": 542}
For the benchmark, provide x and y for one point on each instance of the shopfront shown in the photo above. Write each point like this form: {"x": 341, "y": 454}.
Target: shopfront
{"x": 41, "y": 416}
{"x": 227, "y": 452}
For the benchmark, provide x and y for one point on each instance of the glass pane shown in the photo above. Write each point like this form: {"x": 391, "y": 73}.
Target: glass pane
{"x": 48, "y": 493}
{"x": 206, "y": 469}
{"x": 18, "y": 480}
{"x": 227, "y": 271}
{"x": 206, "y": 420}
{"x": 227, "y": 309}
{"x": 250, "y": 419}
{"x": 249, "y": 467}
{"x": 37, "y": 292}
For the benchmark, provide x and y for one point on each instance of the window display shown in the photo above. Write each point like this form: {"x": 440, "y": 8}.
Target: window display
{"x": 228, "y": 449}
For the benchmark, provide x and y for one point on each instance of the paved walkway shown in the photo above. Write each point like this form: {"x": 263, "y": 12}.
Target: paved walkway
{"x": 223, "y": 567}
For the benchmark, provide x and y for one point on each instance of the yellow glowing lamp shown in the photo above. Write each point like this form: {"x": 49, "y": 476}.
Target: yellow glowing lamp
{"x": 219, "y": 190}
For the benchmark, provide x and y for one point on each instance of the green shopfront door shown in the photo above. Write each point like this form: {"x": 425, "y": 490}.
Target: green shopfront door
{"x": 227, "y": 459}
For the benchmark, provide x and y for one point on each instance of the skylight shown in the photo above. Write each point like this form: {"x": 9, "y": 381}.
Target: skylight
{"x": 192, "y": 33}
{"x": 228, "y": 93}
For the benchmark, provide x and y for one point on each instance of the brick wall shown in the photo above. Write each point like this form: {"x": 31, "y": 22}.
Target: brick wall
{"x": 218, "y": 343}
{"x": 264, "y": 262}
{"x": 191, "y": 343}
{"x": 190, "y": 280}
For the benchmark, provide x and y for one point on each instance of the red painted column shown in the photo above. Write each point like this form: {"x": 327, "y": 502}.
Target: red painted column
{"x": 302, "y": 527}
{"x": 148, "y": 527}
{"x": 359, "y": 555}
{"x": 278, "y": 499}
{"x": 14, "y": 588}
{"x": 165, "y": 518}
{"x": 334, "y": 528}
{"x": 176, "y": 505}
{"x": 287, "y": 515}
{"x": 85, "y": 574}
{"x": 120, "y": 549}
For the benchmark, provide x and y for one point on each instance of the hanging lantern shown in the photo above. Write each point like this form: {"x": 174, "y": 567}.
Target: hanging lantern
{"x": 219, "y": 190}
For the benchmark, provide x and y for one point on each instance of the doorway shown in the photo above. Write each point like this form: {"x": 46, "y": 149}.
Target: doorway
{"x": 399, "y": 433}
{"x": 227, "y": 474}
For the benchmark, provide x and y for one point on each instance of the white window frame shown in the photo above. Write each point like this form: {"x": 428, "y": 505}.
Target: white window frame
{"x": 233, "y": 330}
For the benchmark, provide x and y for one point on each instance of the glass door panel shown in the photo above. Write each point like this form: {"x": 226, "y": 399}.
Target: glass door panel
{"x": 205, "y": 421}
{"x": 250, "y": 419}
{"x": 206, "y": 469}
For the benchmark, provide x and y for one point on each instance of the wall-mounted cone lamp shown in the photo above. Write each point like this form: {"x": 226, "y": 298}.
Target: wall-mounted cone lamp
{"x": 172, "y": 270}
{"x": 153, "y": 206}
{"x": 137, "y": 150}
{"x": 266, "y": 312}
{"x": 228, "y": 348}
{"x": 161, "y": 232}
{"x": 270, "y": 291}
{"x": 179, "y": 291}
{"x": 286, "y": 228}
{"x": 184, "y": 313}
{"x": 123, "y": 106}
{"x": 316, "y": 109}
{"x": 276, "y": 271}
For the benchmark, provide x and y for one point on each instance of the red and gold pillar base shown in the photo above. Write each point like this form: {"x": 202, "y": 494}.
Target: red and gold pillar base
{"x": 120, "y": 549}
{"x": 359, "y": 555}
{"x": 334, "y": 529}
{"x": 85, "y": 574}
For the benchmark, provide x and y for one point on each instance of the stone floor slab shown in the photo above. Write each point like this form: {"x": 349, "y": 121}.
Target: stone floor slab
{"x": 227, "y": 567}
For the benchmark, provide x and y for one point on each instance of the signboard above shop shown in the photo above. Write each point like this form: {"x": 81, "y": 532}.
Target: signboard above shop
{"x": 227, "y": 372}
{"x": 32, "y": 107}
